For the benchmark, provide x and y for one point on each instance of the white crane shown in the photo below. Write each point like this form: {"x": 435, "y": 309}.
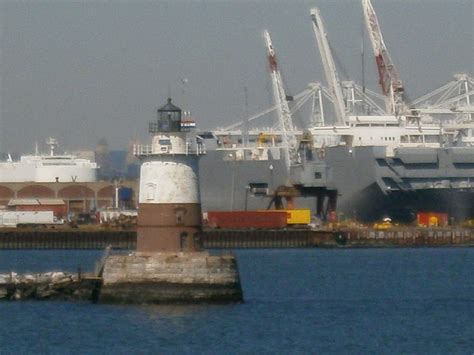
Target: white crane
{"x": 389, "y": 80}
{"x": 329, "y": 67}
{"x": 457, "y": 96}
{"x": 299, "y": 100}
{"x": 284, "y": 114}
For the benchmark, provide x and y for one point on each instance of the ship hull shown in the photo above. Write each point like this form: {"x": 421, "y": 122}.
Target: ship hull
{"x": 371, "y": 184}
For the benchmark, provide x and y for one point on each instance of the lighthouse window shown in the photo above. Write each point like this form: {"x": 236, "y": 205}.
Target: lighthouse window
{"x": 184, "y": 241}
{"x": 150, "y": 191}
{"x": 164, "y": 126}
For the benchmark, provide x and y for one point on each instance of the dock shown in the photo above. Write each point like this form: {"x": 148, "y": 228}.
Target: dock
{"x": 46, "y": 238}
{"x": 39, "y": 238}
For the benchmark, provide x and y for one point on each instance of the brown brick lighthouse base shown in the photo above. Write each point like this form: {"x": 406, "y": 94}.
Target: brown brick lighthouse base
{"x": 168, "y": 227}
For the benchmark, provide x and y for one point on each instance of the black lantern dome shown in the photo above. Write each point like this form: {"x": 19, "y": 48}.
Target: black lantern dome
{"x": 169, "y": 119}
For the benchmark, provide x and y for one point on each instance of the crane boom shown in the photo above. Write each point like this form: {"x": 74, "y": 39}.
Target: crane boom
{"x": 329, "y": 66}
{"x": 389, "y": 80}
{"x": 284, "y": 114}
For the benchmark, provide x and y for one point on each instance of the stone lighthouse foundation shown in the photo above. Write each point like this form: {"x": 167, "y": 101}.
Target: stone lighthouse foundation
{"x": 169, "y": 264}
{"x": 170, "y": 277}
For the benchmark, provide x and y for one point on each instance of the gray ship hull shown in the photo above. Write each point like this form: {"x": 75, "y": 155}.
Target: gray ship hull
{"x": 223, "y": 182}
{"x": 370, "y": 184}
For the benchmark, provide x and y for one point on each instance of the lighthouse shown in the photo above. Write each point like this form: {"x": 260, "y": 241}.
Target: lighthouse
{"x": 169, "y": 265}
{"x": 169, "y": 217}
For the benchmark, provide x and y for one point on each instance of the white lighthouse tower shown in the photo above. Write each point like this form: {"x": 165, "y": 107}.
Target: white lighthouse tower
{"x": 168, "y": 265}
{"x": 169, "y": 212}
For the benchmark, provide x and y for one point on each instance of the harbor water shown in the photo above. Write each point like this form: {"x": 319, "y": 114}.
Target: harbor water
{"x": 418, "y": 300}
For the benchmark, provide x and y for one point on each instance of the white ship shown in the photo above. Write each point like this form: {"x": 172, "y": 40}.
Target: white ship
{"x": 48, "y": 168}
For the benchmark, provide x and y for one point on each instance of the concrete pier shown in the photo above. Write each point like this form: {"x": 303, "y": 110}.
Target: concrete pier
{"x": 170, "y": 277}
{"x": 138, "y": 278}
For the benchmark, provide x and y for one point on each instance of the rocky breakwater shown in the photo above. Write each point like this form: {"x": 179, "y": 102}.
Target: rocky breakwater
{"x": 48, "y": 286}
{"x": 167, "y": 277}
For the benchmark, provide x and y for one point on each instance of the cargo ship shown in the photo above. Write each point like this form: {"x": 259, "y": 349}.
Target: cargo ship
{"x": 378, "y": 167}
{"x": 48, "y": 168}
{"x": 393, "y": 163}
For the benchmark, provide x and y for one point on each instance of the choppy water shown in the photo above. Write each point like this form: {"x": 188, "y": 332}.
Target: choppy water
{"x": 297, "y": 301}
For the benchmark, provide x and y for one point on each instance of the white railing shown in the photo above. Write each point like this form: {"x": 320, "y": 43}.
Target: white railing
{"x": 190, "y": 149}
{"x": 141, "y": 149}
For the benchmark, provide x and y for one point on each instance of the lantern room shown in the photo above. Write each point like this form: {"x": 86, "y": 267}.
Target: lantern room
{"x": 169, "y": 119}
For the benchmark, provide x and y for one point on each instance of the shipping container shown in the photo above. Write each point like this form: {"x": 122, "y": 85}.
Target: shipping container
{"x": 15, "y": 218}
{"x": 247, "y": 219}
{"x": 58, "y": 211}
{"x": 294, "y": 216}
{"x": 302, "y": 216}
{"x": 58, "y": 206}
{"x": 431, "y": 219}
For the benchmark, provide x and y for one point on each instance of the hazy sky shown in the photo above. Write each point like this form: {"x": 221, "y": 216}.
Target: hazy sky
{"x": 83, "y": 70}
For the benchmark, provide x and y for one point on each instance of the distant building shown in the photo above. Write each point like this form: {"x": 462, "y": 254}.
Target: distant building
{"x": 77, "y": 197}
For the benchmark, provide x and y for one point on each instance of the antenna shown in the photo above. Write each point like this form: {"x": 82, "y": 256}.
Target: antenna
{"x": 53, "y": 143}
{"x": 184, "y": 87}
{"x": 362, "y": 59}
{"x": 246, "y": 119}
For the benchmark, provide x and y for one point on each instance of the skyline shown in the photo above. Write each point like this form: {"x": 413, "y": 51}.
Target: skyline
{"x": 82, "y": 71}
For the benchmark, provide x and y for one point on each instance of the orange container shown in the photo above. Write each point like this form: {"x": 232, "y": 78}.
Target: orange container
{"x": 431, "y": 219}
{"x": 247, "y": 219}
